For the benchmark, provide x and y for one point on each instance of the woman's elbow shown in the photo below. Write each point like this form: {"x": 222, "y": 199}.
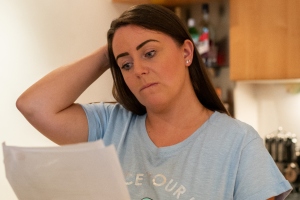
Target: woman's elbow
{"x": 25, "y": 106}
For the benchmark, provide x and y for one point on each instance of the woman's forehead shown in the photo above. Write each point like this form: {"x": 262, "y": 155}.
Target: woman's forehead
{"x": 134, "y": 35}
{"x": 136, "y": 30}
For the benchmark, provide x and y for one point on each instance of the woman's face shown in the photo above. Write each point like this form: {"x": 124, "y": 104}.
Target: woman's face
{"x": 153, "y": 65}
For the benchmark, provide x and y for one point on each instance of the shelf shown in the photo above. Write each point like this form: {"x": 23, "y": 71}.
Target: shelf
{"x": 165, "y": 2}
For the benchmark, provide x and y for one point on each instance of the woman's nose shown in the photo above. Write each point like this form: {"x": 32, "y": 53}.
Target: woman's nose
{"x": 140, "y": 68}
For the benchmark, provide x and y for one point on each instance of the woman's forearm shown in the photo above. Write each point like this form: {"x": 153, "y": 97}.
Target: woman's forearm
{"x": 61, "y": 87}
{"x": 49, "y": 103}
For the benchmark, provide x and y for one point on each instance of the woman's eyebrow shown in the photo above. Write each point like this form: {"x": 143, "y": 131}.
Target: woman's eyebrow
{"x": 121, "y": 55}
{"x": 137, "y": 48}
{"x": 145, "y": 42}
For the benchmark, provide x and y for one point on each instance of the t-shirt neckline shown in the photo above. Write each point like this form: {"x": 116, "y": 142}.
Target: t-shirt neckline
{"x": 171, "y": 150}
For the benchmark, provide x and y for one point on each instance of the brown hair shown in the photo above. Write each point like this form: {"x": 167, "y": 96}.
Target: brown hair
{"x": 159, "y": 18}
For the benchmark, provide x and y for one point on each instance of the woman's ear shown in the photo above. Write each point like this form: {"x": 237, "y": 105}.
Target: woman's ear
{"x": 188, "y": 52}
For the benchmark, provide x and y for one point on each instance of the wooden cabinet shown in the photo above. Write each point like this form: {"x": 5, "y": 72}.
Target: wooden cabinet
{"x": 165, "y": 2}
{"x": 264, "y": 39}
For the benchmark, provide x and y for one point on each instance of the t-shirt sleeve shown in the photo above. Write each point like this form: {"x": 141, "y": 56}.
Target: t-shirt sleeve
{"x": 258, "y": 176}
{"x": 97, "y": 115}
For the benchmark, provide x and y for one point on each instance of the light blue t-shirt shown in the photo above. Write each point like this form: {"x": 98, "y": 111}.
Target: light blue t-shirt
{"x": 224, "y": 159}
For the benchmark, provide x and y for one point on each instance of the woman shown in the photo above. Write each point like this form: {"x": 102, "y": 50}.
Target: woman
{"x": 173, "y": 135}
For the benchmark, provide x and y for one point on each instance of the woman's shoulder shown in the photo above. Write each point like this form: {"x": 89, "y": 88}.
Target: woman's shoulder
{"x": 232, "y": 126}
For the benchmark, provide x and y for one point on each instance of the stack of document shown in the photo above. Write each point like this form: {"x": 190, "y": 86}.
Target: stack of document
{"x": 85, "y": 171}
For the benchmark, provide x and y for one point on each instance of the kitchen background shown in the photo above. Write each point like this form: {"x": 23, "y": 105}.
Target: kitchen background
{"x": 38, "y": 36}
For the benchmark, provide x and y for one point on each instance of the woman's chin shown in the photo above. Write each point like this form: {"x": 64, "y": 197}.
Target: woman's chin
{"x": 156, "y": 106}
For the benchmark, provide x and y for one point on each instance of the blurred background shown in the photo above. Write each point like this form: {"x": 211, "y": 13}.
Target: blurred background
{"x": 37, "y": 36}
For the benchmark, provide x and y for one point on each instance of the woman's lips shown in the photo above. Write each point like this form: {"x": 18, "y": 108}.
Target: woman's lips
{"x": 148, "y": 85}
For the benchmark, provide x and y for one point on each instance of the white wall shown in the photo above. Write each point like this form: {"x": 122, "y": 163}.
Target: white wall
{"x": 245, "y": 104}
{"x": 268, "y": 105}
{"x": 37, "y": 36}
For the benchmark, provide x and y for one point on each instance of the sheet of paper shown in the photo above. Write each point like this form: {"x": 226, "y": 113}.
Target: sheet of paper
{"x": 85, "y": 171}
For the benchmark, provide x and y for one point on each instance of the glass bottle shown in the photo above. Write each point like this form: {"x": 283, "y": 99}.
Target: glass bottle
{"x": 193, "y": 30}
{"x": 207, "y": 47}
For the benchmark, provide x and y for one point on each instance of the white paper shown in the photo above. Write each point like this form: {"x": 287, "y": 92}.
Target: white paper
{"x": 85, "y": 171}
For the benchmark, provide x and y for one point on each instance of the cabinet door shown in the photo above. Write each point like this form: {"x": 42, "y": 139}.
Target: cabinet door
{"x": 264, "y": 39}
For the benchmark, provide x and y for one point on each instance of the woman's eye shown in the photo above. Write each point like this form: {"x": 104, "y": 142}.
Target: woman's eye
{"x": 127, "y": 66}
{"x": 150, "y": 54}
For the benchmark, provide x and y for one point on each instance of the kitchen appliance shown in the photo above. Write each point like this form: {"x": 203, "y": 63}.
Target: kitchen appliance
{"x": 281, "y": 145}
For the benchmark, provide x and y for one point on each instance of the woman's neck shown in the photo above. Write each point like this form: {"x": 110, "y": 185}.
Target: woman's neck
{"x": 175, "y": 125}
